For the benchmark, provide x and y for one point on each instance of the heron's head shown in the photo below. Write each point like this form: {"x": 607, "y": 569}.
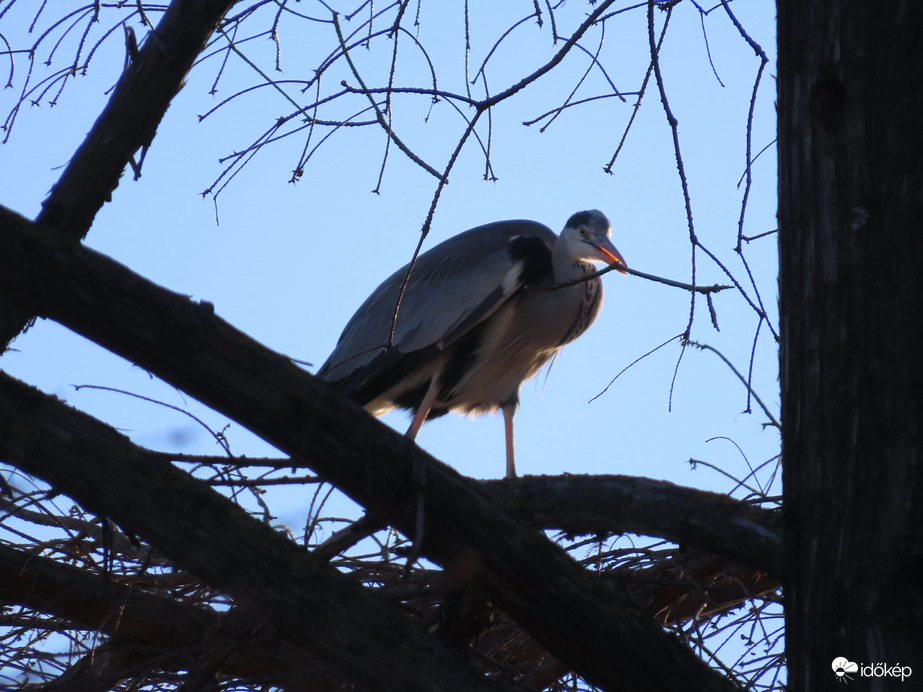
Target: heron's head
{"x": 586, "y": 237}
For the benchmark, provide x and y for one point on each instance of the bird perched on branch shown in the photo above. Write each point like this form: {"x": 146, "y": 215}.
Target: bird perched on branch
{"x": 480, "y": 314}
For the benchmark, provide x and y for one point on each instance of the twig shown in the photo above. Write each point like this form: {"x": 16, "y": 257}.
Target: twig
{"x": 632, "y": 364}
{"x": 219, "y": 438}
{"x": 756, "y": 397}
{"x": 714, "y": 467}
{"x": 269, "y": 80}
{"x": 749, "y": 238}
{"x": 558, "y": 57}
{"x": 346, "y": 538}
{"x": 637, "y": 107}
{"x": 714, "y": 288}
{"x": 381, "y": 118}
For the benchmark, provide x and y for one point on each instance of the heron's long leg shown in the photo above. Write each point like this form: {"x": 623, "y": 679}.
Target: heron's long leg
{"x": 423, "y": 411}
{"x": 508, "y": 413}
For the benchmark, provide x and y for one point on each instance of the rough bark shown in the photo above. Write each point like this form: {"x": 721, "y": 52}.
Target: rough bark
{"x": 147, "y": 630}
{"x": 850, "y": 209}
{"x": 595, "y": 630}
{"x": 153, "y": 628}
{"x": 623, "y": 504}
{"x": 301, "y": 596}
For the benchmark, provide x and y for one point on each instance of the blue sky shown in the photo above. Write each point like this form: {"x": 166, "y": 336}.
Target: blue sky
{"x": 289, "y": 263}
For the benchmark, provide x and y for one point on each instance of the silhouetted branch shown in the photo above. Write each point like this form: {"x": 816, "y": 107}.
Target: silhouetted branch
{"x": 623, "y": 504}
{"x": 310, "y": 603}
{"x": 187, "y": 345}
{"x": 745, "y": 380}
{"x": 158, "y": 627}
{"x": 129, "y": 122}
{"x": 705, "y": 290}
{"x": 381, "y": 118}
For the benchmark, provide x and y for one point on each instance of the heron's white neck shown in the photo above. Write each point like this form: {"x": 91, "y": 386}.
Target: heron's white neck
{"x": 565, "y": 265}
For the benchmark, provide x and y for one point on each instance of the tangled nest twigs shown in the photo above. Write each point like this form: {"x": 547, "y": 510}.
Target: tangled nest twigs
{"x": 92, "y": 608}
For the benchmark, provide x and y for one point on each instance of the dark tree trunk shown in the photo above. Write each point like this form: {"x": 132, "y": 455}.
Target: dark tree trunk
{"x": 850, "y": 209}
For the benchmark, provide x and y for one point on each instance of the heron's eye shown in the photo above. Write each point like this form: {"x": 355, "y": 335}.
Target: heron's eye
{"x": 582, "y": 232}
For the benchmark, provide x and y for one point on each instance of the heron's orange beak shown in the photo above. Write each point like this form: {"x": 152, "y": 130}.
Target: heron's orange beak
{"x": 608, "y": 253}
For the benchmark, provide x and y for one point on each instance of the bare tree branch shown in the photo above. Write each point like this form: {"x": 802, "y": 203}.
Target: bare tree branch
{"x": 151, "y": 632}
{"x": 160, "y": 626}
{"x": 622, "y": 504}
{"x": 187, "y": 345}
{"x": 129, "y": 122}
{"x": 301, "y": 596}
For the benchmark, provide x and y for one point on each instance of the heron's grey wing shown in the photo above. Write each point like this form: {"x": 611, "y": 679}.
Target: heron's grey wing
{"x": 453, "y": 287}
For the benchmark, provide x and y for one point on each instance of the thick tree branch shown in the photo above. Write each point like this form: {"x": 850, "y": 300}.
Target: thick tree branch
{"x": 127, "y": 123}
{"x": 184, "y": 343}
{"x": 131, "y": 117}
{"x": 300, "y": 595}
{"x": 623, "y": 504}
{"x": 157, "y": 626}
{"x": 158, "y": 632}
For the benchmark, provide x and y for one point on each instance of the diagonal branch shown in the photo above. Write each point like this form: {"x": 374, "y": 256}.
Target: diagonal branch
{"x": 622, "y": 504}
{"x": 128, "y": 122}
{"x": 591, "y": 19}
{"x": 300, "y": 595}
{"x": 184, "y": 343}
{"x": 385, "y": 124}
{"x": 157, "y": 625}
{"x": 131, "y": 117}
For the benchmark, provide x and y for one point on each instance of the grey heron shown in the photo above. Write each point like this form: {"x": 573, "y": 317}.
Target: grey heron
{"x": 480, "y": 315}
